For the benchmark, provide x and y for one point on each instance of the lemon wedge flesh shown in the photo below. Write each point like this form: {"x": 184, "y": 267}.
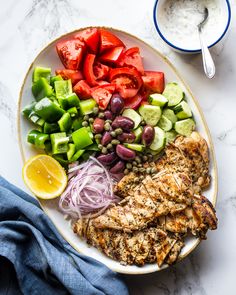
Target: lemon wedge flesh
{"x": 44, "y": 176}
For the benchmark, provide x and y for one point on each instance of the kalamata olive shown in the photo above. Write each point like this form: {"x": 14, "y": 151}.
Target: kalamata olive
{"x": 118, "y": 167}
{"x": 107, "y": 159}
{"x": 123, "y": 122}
{"x": 126, "y": 137}
{"x": 98, "y": 125}
{"x": 106, "y": 138}
{"x": 148, "y": 135}
{"x": 125, "y": 153}
{"x": 117, "y": 104}
{"x": 108, "y": 115}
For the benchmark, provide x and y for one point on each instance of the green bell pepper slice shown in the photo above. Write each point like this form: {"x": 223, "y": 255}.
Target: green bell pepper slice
{"x": 32, "y": 136}
{"x": 81, "y": 138}
{"x": 41, "y": 72}
{"x": 54, "y": 79}
{"x": 73, "y": 111}
{"x": 86, "y": 106}
{"x": 65, "y": 122}
{"x": 50, "y": 127}
{"x": 48, "y": 110}
{"x": 59, "y": 143}
{"x": 28, "y": 109}
{"x": 69, "y": 101}
{"x": 48, "y": 147}
{"x": 77, "y": 155}
{"x": 93, "y": 147}
{"x": 70, "y": 151}
{"x": 61, "y": 159}
{"x": 41, "y": 89}
{"x": 86, "y": 155}
{"x": 63, "y": 88}
{"x": 77, "y": 123}
{"x": 40, "y": 140}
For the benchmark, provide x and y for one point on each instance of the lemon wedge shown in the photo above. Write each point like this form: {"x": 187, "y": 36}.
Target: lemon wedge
{"x": 44, "y": 176}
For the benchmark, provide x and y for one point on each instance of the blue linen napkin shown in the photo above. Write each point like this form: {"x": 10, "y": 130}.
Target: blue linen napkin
{"x": 43, "y": 261}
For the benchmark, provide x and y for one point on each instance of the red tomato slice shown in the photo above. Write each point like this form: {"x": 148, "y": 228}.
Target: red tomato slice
{"x": 127, "y": 80}
{"x": 75, "y": 76}
{"x": 71, "y": 53}
{"x": 109, "y": 40}
{"x": 133, "y": 102}
{"x": 154, "y": 81}
{"x": 100, "y": 71}
{"x": 102, "y": 94}
{"x": 90, "y": 37}
{"x": 132, "y": 57}
{"x": 88, "y": 69}
{"x": 112, "y": 55}
{"x": 82, "y": 89}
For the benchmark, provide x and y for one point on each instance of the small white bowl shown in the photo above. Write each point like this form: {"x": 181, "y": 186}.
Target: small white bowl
{"x": 213, "y": 33}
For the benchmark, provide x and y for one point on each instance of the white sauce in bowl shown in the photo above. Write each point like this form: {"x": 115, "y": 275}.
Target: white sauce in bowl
{"x": 178, "y": 20}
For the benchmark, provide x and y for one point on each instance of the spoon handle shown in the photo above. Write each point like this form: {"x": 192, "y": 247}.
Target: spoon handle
{"x": 208, "y": 63}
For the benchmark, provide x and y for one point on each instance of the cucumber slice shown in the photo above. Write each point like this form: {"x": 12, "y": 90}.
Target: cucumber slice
{"x": 165, "y": 124}
{"x": 182, "y": 110}
{"x": 185, "y": 127}
{"x": 157, "y": 99}
{"x": 138, "y": 133}
{"x": 133, "y": 115}
{"x": 169, "y": 114}
{"x": 159, "y": 140}
{"x": 135, "y": 146}
{"x": 173, "y": 93}
{"x": 151, "y": 114}
{"x": 86, "y": 106}
{"x": 170, "y": 136}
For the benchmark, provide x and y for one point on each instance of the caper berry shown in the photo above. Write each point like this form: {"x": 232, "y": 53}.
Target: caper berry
{"x": 135, "y": 169}
{"x": 118, "y": 131}
{"x": 113, "y": 133}
{"x": 104, "y": 150}
{"x": 109, "y": 146}
{"x": 129, "y": 166}
{"x": 100, "y": 146}
{"x": 115, "y": 141}
{"x": 95, "y": 110}
{"x": 154, "y": 170}
{"x": 126, "y": 171}
{"x": 107, "y": 126}
{"x": 134, "y": 163}
{"x": 85, "y": 124}
{"x": 138, "y": 159}
{"x": 86, "y": 118}
{"x": 91, "y": 120}
{"x": 101, "y": 115}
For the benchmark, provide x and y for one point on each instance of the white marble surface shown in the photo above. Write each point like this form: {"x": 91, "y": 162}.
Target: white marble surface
{"x": 27, "y": 26}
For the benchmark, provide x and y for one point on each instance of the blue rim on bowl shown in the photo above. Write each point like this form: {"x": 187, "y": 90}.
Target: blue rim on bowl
{"x": 183, "y": 49}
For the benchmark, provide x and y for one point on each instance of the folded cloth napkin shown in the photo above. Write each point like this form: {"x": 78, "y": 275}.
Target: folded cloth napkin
{"x": 43, "y": 261}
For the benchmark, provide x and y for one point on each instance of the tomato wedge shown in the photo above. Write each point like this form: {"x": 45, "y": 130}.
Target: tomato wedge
{"x": 133, "y": 102}
{"x": 71, "y": 53}
{"x": 127, "y": 81}
{"x": 75, "y": 76}
{"x": 132, "y": 57}
{"x": 112, "y": 55}
{"x": 91, "y": 38}
{"x": 102, "y": 94}
{"x": 82, "y": 89}
{"x": 100, "y": 70}
{"x": 88, "y": 69}
{"x": 154, "y": 81}
{"x": 108, "y": 40}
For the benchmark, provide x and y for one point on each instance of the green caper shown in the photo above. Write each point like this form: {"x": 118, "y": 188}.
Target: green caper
{"x": 140, "y": 165}
{"x": 115, "y": 141}
{"x": 126, "y": 171}
{"x": 138, "y": 159}
{"x": 154, "y": 170}
{"x": 100, "y": 146}
{"x": 135, "y": 169}
{"x": 109, "y": 146}
{"x": 145, "y": 158}
{"x": 95, "y": 110}
{"x": 143, "y": 123}
{"x": 85, "y": 124}
{"x": 86, "y": 118}
{"x": 142, "y": 170}
{"x": 129, "y": 166}
{"x": 141, "y": 177}
{"x": 136, "y": 179}
{"x": 91, "y": 120}
{"x": 148, "y": 170}
{"x": 113, "y": 133}
{"x": 118, "y": 131}
{"x": 98, "y": 136}
{"x": 107, "y": 126}
{"x": 108, "y": 121}
{"x": 134, "y": 163}
{"x": 100, "y": 115}
{"x": 104, "y": 150}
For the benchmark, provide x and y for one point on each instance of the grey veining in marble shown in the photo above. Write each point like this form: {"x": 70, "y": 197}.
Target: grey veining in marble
{"x": 27, "y": 26}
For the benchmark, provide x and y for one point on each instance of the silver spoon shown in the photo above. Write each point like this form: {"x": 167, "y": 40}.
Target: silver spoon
{"x": 208, "y": 63}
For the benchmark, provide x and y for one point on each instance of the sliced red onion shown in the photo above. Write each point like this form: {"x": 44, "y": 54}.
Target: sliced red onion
{"x": 89, "y": 191}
